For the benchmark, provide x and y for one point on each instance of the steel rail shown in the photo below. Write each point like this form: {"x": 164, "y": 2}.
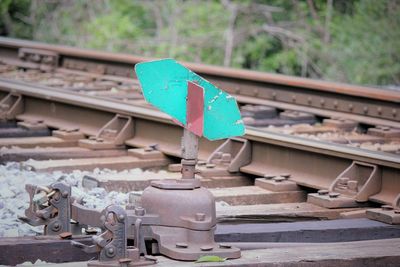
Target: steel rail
{"x": 253, "y": 134}
{"x": 235, "y": 75}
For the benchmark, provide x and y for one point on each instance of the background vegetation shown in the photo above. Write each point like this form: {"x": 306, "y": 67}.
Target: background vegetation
{"x": 353, "y": 41}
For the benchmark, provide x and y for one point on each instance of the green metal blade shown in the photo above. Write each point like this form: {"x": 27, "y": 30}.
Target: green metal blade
{"x": 165, "y": 85}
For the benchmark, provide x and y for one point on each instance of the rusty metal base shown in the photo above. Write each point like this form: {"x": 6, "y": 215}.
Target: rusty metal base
{"x": 193, "y": 246}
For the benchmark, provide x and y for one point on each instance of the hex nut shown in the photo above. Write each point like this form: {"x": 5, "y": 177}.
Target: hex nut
{"x": 334, "y": 195}
{"x": 278, "y": 179}
{"x": 56, "y": 227}
{"x": 139, "y": 211}
{"x": 181, "y": 245}
{"x": 269, "y": 176}
{"x": 110, "y": 252}
{"x": 91, "y": 231}
{"x": 65, "y": 194}
{"x": 227, "y": 246}
{"x": 323, "y": 192}
{"x": 206, "y": 248}
{"x": 210, "y": 165}
{"x": 148, "y": 149}
{"x": 201, "y": 163}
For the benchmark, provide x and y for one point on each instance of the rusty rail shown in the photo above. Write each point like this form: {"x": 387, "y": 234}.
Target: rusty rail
{"x": 271, "y": 152}
{"x": 265, "y": 166}
{"x": 339, "y": 98}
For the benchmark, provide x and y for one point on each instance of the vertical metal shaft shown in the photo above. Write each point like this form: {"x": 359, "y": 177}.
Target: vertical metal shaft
{"x": 190, "y": 148}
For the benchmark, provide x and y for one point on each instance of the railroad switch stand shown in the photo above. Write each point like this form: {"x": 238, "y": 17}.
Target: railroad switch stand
{"x": 176, "y": 217}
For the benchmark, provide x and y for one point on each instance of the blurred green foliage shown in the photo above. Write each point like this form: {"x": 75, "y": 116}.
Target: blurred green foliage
{"x": 354, "y": 41}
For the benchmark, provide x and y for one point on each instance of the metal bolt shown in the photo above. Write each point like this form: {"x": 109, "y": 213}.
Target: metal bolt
{"x": 273, "y": 95}
{"x": 394, "y": 112}
{"x": 365, "y": 109}
{"x": 200, "y": 217}
{"x": 334, "y": 195}
{"x": 309, "y": 100}
{"x": 335, "y": 104}
{"x": 322, "y": 102}
{"x": 64, "y": 194}
{"x": 56, "y": 227}
{"x": 139, "y": 211}
{"x": 269, "y": 176}
{"x": 56, "y": 196}
{"x": 206, "y": 248}
{"x": 350, "y": 106}
{"x": 294, "y": 98}
{"x": 148, "y": 149}
{"x": 323, "y": 192}
{"x": 379, "y": 109}
{"x": 110, "y": 252}
{"x": 181, "y": 245}
{"x": 121, "y": 217}
{"x": 91, "y": 231}
{"x": 278, "y": 179}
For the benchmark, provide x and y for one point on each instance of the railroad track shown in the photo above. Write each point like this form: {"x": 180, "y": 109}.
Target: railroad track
{"x": 312, "y": 151}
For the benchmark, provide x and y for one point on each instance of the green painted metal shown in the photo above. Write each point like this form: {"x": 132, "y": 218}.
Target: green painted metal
{"x": 164, "y": 84}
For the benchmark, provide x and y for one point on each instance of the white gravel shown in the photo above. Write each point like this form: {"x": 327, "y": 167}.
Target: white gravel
{"x": 14, "y": 199}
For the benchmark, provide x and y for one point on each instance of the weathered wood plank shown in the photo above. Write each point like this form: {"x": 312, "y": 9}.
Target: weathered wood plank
{"x": 251, "y": 195}
{"x": 42, "y": 141}
{"x": 15, "y": 250}
{"x": 45, "y": 153}
{"x": 282, "y": 212}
